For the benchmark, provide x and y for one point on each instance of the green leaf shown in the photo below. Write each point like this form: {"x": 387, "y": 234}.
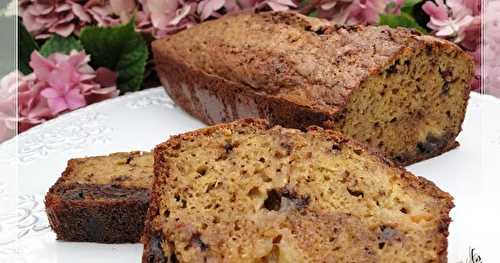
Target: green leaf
{"x": 60, "y": 44}
{"x": 118, "y": 48}
{"x": 403, "y": 20}
{"x": 26, "y": 46}
{"x": 409, "y": 5}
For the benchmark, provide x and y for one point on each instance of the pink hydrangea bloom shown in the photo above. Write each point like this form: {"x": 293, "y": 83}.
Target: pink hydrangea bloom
{"x": 157, "y": 17}
{"x": 337, "y": 11}
{"x": 59, "y": 83}
{"x": 450, "y": 20}
{"x": 63, "y": 17}
{"x": 353, "y": 12}
{"x": 33, "y": 109}
{"x": 63, "y": 76}
{"x": 366, "y": 12}
{"x": 162, "y": 17}
{"x": 8, "y": 89}
{"x": 492, "y": 48}
{"x": 208, "y": 8}
{"x": 123, "y": 8}
{"x": 275, "y": 5}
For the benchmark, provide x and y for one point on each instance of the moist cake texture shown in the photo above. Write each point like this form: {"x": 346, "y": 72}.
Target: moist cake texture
{"x": 249, "y": 192}
{"x": 395, "y": 90}
{"x": 102, "y": 199}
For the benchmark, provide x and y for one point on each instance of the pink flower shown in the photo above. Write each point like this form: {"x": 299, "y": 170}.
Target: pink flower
{"x": 449, "y": 20}
{"x": 352, "y": 12}
{"x": 123, "y": 8}
{"x": 208, "y": 8}
{"x": 476, "y": 82}
{"x": 337, "y": 11}
{"x": 107, "y": 90}
{"x": 474, "y": 6}
{"x": 366, "y": 12}
{"x": 438, "y": 10}
{"x": 274, "y": 5}
{"x": 492, "y": 48}
{"x": 63, "y": 17}
{"x": 32, "y": 107}
{"x": 8, "y": 89}
{"x": 65, "y": 76}
{"x": 164, "y": 17}
{"x": 280, "y": 5}
{"x": 58, "y": 84}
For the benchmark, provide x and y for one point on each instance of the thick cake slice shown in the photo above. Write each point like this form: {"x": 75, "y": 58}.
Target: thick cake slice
{"x": 102, "y": 199}
{"x": 246, "y": 192}
{"x": 395, "y": 90}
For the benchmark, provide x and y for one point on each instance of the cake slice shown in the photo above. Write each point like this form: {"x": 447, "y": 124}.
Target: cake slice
{"x": 101, "y": 199}
{"x": 395, "y": 90}
{"x": 248, "y": 192}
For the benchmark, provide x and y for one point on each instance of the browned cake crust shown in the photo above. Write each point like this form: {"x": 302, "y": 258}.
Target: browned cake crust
{"x": 101, "y": 199}
{"x": 200, "y": 212}
{"x": 396, "y": 91}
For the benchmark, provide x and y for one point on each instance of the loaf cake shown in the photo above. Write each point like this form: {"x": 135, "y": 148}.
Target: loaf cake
{"x": 248, "y": 192}
{"x": 394, "y": 90}
{"x": 102, "y": 199}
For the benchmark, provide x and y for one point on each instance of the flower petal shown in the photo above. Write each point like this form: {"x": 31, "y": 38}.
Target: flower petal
{"x": 50, "y": 93}
{"x": 181, "y": 13}
{"x": 75, "y": 99}
{"x": 80, "y": 12}
{"x": 435, "y": 11}
{"x": 41, "y": 66}
{"x": 63, "y": 30}
{"x": 56, "y": 105}
{"x": 207, "y": 7}
{"x": 106, "y": 77}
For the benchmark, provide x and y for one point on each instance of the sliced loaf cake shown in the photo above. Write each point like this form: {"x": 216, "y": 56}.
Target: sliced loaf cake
{"x": 395, "y": 90}
{"x": 101, "y": 199}
{"x": 248, "y": 192}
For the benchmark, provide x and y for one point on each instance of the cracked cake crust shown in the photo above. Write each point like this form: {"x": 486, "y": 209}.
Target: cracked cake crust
{"x": 388, "y": 88}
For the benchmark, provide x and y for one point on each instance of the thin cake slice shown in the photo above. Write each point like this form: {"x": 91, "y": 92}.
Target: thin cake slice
{"x": 248, "y": 192}
{"x": 102, "y": 199}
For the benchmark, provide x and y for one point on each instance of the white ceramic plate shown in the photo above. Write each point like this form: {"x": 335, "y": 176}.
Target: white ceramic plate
{"x": 141, "y": 120}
